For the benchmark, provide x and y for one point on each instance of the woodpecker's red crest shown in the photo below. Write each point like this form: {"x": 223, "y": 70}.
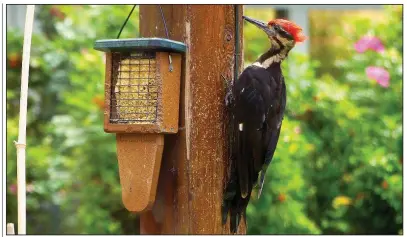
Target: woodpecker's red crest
{"x": 292, "y": 28}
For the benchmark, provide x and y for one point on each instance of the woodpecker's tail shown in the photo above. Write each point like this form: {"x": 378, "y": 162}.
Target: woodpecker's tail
{"x": 260, "y": 183}
{"x": 229, "y": 204}
{"x": 234, "y": 221}
{"x": 228, "y": 197}
{"x": 233, "y": 203}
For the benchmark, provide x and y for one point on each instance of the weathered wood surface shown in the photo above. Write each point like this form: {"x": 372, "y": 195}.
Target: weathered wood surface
{"x": 195, "y": 161}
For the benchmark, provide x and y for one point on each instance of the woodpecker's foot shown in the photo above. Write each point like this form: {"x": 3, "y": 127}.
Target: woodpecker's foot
{"x": 225, "y": 212}
{"x": 227, "y": 83}
{"x": 229, "y": 95}
{"x": 229, "y": 100}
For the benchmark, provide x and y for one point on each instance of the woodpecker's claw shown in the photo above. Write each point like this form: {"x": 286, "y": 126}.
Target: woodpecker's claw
{"x": 229, "y": 100}
{"x": 228, "y": 83}
{"x": 229, "y": 95}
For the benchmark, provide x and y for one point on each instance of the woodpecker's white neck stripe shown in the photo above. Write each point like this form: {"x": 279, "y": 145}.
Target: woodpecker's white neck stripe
{"x": 268, "y": 62}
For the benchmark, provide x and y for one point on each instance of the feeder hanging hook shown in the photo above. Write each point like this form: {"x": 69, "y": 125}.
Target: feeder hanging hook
{"x": 168, "y": 37}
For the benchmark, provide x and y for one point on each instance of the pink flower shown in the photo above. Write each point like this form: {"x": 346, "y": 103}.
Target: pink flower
{"x": 30, "y": 188}
{"x": 379, "y": 74}
{"x": 297, "y": 130}
{"x": 369, "y": 42}
{"x": 13, "y": 188}
{"x": 84, "y": 51}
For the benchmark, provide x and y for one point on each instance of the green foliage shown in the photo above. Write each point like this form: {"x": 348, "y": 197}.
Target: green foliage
{"x": 369, "y": 150}
{"x": 65, "y": 139}
{"x": 338, "y": 163}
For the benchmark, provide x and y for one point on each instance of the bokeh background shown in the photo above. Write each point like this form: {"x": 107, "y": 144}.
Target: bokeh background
{"x": 338, "y": 165}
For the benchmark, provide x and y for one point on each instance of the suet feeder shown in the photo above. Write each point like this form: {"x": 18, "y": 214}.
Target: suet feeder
{"x": 142, "y": 92}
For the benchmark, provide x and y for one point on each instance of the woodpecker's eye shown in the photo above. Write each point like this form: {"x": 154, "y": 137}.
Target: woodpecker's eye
{"x": 282, "y": 32}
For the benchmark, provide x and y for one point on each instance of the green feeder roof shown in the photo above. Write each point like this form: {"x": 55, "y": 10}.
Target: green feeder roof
{"x": 156, "y": 44}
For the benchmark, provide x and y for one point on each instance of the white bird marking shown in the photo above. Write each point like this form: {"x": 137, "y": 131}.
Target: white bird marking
{"x": 240, "y": 126}
{"x": 267, "y": 63}
{"x": 261, "y": 189}
{"x": 257, "y": 64}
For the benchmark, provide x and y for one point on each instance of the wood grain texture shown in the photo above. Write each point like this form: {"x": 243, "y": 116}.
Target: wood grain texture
{"x": 139, "y": 157}
{"x": 195, "y": 161}
{"x": 170, "y": 91}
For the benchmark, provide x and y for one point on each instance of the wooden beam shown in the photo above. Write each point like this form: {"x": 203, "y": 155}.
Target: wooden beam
{"x": 195, "y": 161}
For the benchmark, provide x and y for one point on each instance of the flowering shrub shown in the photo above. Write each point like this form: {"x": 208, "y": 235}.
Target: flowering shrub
{"x": 339, "y": 159}
{"x": 358, "y": 168}
{"x": 72, "y": 174}
{"x": 378, "y": 74}
{"x": 367, "y": 42}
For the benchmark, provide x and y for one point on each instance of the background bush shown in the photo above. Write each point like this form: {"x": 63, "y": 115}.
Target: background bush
{"x": 70, "y": 194}
{"x": 337, "y": 168}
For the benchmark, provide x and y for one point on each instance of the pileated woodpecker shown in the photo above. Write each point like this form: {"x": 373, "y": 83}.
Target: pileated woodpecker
{"x": 257, "y": 102}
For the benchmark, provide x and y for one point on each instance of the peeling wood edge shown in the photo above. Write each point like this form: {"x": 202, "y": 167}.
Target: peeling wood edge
{"x": 188, "y": 110}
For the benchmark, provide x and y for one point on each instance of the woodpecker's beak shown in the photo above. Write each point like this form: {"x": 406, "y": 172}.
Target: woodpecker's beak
{"x": 261, "y": 25}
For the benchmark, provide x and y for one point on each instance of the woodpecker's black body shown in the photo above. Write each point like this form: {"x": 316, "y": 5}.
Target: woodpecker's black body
{"x": 257, "y": 101}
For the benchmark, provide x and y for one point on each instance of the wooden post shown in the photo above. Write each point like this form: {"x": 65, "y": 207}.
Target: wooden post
{"x": 195, "y": 160}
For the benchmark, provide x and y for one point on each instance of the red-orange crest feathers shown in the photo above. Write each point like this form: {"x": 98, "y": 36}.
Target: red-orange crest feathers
{"x": 292, "y": 28}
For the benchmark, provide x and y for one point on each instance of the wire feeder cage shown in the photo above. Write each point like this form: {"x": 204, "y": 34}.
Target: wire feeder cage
{"x": 142, "y": 84}
{"x": 135, "y": 92}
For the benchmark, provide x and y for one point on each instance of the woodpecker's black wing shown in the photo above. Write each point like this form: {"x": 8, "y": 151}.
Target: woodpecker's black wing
{"x": 257, "y": 110}
{"x": 271, "y": 136}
